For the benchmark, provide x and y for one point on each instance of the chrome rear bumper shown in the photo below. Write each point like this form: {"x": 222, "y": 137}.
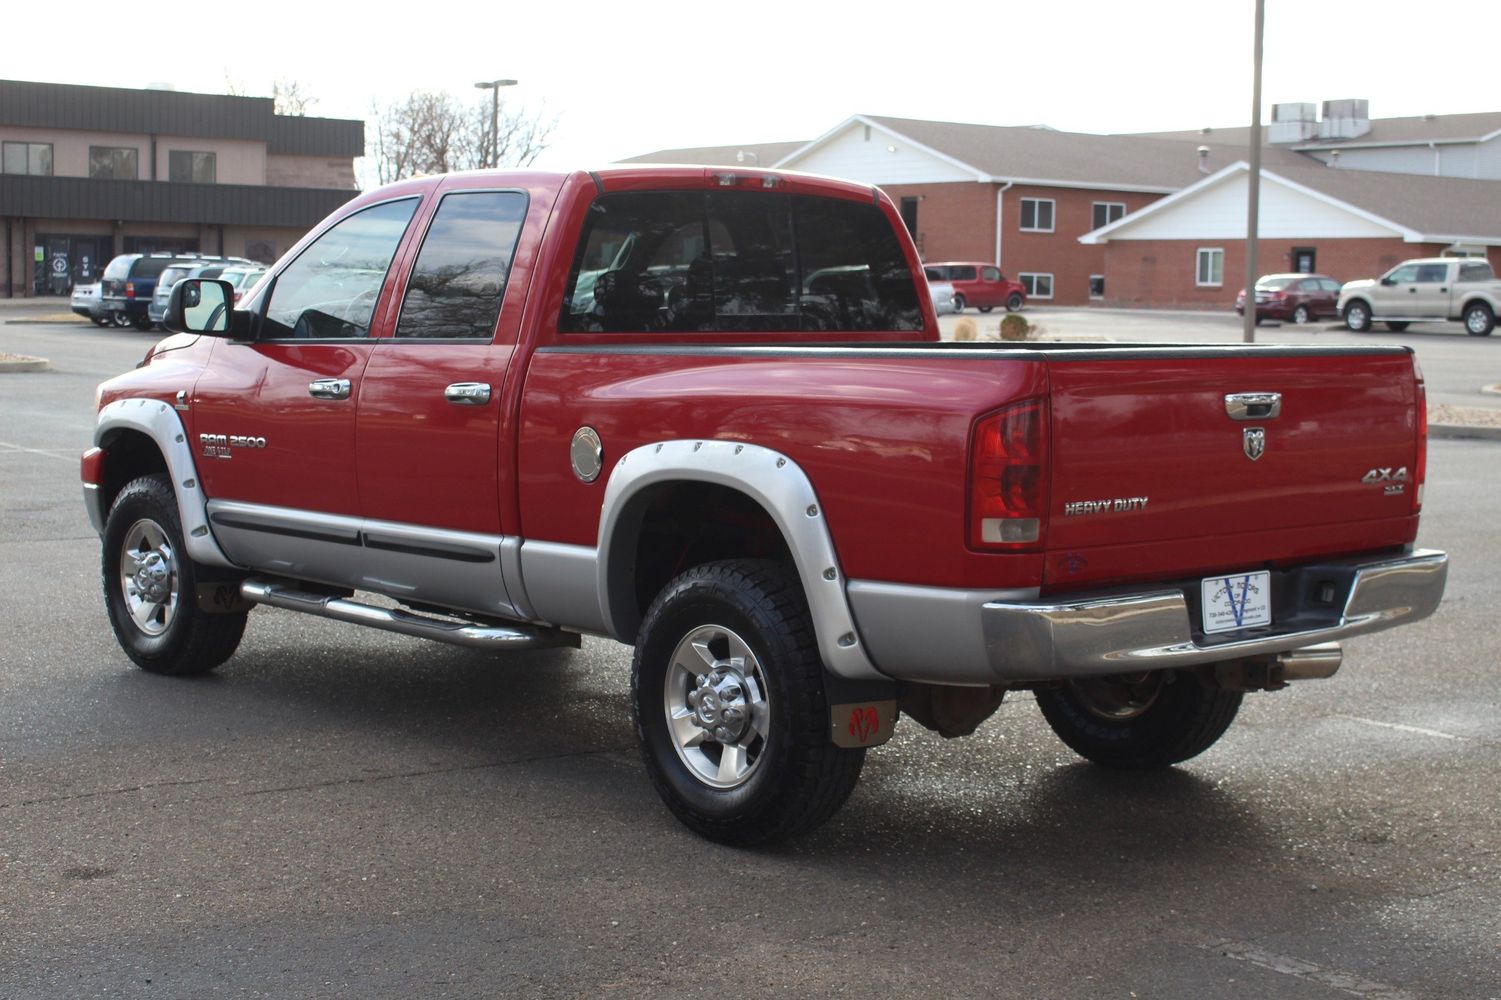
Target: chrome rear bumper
{"x": 1153, "y": 630}
{"x": 943, "y": 636}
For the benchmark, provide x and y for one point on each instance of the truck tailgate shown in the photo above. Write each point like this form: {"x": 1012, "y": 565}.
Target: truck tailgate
{"x": 1147, "y": 457}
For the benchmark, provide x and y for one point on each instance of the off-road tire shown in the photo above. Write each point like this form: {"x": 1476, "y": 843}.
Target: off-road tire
{"x": 189, "y": 640}
{"x": 1185, "y": 718}
{"x": 800, "y": 778}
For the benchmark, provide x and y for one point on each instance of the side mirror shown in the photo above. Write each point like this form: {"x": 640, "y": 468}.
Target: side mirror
{"x": 1388, "y": 280}
{"x": 200, "y": 305}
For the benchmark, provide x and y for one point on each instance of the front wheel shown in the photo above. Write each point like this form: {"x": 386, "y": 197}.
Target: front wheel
{"x": 151, "y": 586}
{"x": 1139, "y": 721}
{"x": 1014, "y": 302}
{"x": 730, "y": 710}
{"x": 1479, "y": 320}
{"x": 1358, "y": 317}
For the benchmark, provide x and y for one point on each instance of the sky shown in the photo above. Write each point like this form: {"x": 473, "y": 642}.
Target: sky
{"x": 626, "y": 78}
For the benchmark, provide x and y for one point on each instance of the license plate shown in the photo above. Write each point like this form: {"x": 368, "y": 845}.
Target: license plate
{"x": 1237, "y": 601}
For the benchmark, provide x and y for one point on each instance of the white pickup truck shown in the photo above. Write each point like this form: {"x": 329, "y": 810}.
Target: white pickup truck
{"x": 1434, "y": 289}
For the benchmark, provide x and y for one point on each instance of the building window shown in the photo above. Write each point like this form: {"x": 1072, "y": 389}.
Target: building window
{"x": 33, "y": 158}
{"x": 1106, "y": 212}
{"x": 113, "y": 163}
{"x": 1038, "y": 286}
{"x": 909, "y": 216}
{"x": 1037, "y": 215}
{"x": 1211, "y": 269}
{"x": 1097, "y": 286}
{"x": 186, "y": 167}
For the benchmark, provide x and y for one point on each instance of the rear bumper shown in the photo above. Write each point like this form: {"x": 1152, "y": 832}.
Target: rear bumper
{"x": 1006, "y": 640}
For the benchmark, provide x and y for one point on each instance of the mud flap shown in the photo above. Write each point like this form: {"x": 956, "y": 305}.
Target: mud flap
{"x": 861, "y": 713}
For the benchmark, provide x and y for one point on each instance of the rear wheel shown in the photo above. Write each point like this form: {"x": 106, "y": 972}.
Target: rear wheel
{"x": 1014, "y": 302}
{"x": 1358, "y": 316}
{"x": 151, "y": 586}
{"x": 119, "y": 319}
{"x": 1301, "y": 315}
{"x": 1139, "y": 721}
{"x": 731, "y": 716}
{"x": 1479, "y": 320}
{"x": 143, "y": 323}
{"x": 958, "y": 303}
{"x": 1397, "y": 325}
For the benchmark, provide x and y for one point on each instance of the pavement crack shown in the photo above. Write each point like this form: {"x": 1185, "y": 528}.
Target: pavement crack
{"x": 1286, "y": 965}
{"x": 307, "y": 786}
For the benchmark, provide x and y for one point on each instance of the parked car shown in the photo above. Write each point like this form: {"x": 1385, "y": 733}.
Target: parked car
{"x": 242, "y": 278}
{"x": 1295, "y": 298}
{"x": 130, "y": 281}
{"x": 1433, "y": 289}
{"x": 978, "y": 284}
{"x": 942, "y": 294}
{"x": 201, "y": 267}
{"x": 88, "y": 303}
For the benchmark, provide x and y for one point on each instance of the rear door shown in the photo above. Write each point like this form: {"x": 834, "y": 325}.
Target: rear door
{"x": 1431, "y": 291}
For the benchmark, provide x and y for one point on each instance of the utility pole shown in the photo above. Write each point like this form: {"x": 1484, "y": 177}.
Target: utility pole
{"x": 1253, "y": 200}
{"x": 492, "y": 142}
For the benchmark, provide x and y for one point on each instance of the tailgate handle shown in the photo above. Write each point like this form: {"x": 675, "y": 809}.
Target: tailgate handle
{"x": 1253, "y": 405}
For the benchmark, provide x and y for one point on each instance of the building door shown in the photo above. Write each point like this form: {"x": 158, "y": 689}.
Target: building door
{"x": 1305, "y": 260}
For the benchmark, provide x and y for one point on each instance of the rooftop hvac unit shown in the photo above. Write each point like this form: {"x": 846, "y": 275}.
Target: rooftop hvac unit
{"x": 1347, "y": 119}
{"x": 1293, "y": 113}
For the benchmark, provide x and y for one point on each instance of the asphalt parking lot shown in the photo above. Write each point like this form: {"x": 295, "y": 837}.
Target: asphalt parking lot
{"x": 341, "y": 812}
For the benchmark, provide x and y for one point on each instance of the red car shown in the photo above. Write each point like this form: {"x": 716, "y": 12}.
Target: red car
{"x": 978, "y": 284}
{"x": 1297, "y": 298}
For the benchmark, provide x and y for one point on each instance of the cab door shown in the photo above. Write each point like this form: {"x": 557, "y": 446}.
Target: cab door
{"x": 429, "y": 447}
{"x": 274, "y": 417}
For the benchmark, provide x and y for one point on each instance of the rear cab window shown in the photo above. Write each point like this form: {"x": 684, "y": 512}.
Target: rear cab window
{"x": 737, "y": 261}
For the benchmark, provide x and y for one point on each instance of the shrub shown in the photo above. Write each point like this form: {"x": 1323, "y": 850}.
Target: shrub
{"x": 1014, "y": 326}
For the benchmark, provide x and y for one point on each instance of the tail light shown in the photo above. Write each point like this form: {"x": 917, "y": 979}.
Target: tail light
{"x": 130, "y": 289}
{"x": 1420, "y": 467}
{"x": 1008, "y": 477}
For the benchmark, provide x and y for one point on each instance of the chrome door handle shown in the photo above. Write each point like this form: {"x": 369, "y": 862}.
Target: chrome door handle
{"x": 468, "y": 393}
{"x": 1253, "y": 405}
{"x": 329, "y": 388}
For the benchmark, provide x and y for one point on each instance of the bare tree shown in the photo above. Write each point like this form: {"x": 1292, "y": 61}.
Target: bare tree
{"x": 288, "y": 96}
{"x": 433, "y": 132}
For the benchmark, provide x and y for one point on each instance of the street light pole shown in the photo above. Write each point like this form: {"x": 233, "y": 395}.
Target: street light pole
{"x": 1253, "y": 201}
{"x": 492, "y": 157}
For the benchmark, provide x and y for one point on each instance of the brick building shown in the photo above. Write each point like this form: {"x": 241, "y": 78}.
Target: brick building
{"x": 1038, "y": 202}
{"x": 1188, "y": 249}
{"x": 87, "y": 173}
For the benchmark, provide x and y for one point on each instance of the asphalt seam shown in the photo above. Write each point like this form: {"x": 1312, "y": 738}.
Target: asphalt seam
{"x": 311, "y": 786}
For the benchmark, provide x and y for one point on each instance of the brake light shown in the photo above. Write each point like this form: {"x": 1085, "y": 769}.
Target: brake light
{"x": 1008, "y": 477}
{"x": 1420, "y": 467}
{"x": 130, "y": 289}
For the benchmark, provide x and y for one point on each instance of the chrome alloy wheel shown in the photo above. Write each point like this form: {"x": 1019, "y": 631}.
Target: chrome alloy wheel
{"x": 148, "y": 576}
{"x": 1118, "y": 698}
{"x": 717, "y": 712}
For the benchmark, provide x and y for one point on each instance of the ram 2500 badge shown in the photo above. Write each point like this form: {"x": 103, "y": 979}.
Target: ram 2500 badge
{"x": 706, "y": 413}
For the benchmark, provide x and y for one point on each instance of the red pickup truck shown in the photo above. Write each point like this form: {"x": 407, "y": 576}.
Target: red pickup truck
{"x": 707, "y": 413}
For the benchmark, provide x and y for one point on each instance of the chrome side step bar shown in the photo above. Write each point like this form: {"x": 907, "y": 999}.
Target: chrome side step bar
{"x": 496, "y": 637}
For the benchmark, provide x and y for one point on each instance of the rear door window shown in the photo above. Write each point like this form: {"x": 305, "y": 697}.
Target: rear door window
{"x": 963, "y": 273}
{"x": 737, "y": 261}
{"x": 461, "y": 270}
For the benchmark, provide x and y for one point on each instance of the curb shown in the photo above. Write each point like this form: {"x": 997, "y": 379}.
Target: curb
{"x": 1460, "y": 432}
{"x": 45, "y": 322}
{"x": 20, "y": 365}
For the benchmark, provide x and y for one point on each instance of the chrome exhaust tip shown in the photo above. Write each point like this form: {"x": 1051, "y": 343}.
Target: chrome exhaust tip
{"x": 1310, "y": 662}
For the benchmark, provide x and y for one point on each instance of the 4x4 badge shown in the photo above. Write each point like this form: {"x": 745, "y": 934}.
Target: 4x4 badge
{"x": 1254, "y": 442}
